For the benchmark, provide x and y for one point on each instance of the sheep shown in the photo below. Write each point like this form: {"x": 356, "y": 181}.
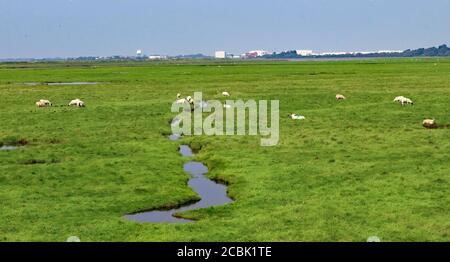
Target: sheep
{"x": 429, "y": 123}
{"x": 48, "y": 103}
{"x": 77, "y": 102}
{"x": 225, "y": 93}
{"x": 403, "y": 100}
{"x": 408, "y": 101}
{"x": 399, "y": 99}
{"x": 74, "y": 102}
{"x": 190, "y": 100}
{"x": 296, "y": 117}
{"x": 43, "y": 103}
{"x": 181, "y": 101}
{"x": 226, "y": 106}
{"x": 340, "y": 97}
{"x": 40, "y": 104}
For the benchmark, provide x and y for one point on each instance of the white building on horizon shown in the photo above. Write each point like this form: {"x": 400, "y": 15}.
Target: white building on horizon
{"x": 157, "y": 57}
{"x": 259, "y": 52}
{"x": 304, "y": 52}
{"x": 220, "y": 54}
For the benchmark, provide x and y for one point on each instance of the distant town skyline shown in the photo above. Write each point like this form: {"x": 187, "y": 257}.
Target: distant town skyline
{"x": 72, "y": 28}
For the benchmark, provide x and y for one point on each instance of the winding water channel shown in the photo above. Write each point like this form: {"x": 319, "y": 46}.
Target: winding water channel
{"x": 210, "y": 192}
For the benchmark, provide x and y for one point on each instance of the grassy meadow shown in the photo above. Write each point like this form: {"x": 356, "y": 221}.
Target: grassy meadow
{"x": 353, "y": 169}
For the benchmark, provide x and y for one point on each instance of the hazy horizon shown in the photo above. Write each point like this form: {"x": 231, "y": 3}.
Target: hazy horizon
{"x": 72, "y": 28}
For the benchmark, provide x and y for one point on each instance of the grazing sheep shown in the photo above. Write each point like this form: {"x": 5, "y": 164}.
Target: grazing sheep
{"x": 408, "y": 101}
{"x": 399, "y": 99}
{"x": 77, "y": 102}
{"x": 190, "y": 100}
{"x": 48, "y": 103}
{"x": 296, "y": 117}
{"x": 403, "y": 100}
{"x": 40, "y": 104}
{"x": 225, "y": 93}
{"x": 43, "y": 103}
{"x": 340, "y": 97}
{"x": 429, "y": 123}
{"x": 180, "y": 100}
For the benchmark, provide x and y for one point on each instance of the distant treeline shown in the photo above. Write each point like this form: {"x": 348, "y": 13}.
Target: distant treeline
{"x": 442, "y": 50}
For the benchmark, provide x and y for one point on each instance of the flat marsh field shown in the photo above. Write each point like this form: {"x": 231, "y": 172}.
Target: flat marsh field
{"x": 352, "y": 169}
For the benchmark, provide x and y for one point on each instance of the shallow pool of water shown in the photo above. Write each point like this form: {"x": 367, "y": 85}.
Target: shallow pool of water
{"x": 174, "y": 137}
{"x": 185, "y": 151}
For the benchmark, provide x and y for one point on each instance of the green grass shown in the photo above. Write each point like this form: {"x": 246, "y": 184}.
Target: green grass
{"x": 353, "y": 169}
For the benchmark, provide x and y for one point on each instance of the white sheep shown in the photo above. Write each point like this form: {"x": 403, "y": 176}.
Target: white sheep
{"x": 340, "y": 97}
{"x": 429, "y": 123}
{"x": 43, "y": 103}
{"x": 403, "y": 100}
{"x": 296, "y": 117}
{"x": 77, "y": 102}
{"x": 180, "y": 100}
{"x": 190, "y": 100}
{"x": 399, "y": 99}
{"x": 408, "y": 101}
{"x": 225, "y": 93}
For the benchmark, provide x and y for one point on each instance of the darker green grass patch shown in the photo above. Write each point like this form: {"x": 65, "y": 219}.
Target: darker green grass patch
{"x": 196, "y": 146}
{"x": 39, "y": 161}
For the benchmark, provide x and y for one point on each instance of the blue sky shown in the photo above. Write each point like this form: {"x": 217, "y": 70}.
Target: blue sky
{"x": 52, "y": 28}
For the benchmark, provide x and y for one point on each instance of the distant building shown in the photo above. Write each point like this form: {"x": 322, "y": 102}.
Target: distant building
{"x": 304, "y": 52}
{"x": 220, "y": 54}
{"x": 334, "y": 53}
{"x": 390, "y": 51}
{"x": 233, "y": 56}
{"x": 157, "y": 57}
{"x": 259, "y": 52}
{"x": 255, "y": 53}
